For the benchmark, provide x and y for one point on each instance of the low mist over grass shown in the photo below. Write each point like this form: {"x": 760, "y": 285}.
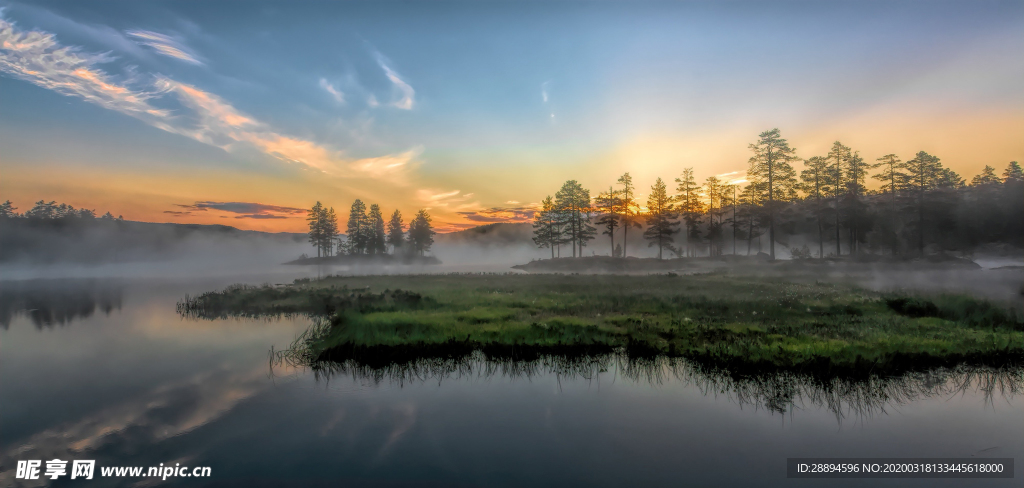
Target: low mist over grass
{"x": 744, "y": 323}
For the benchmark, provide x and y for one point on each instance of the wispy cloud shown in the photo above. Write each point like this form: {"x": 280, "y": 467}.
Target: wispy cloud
{"x": 453, "y": 199}
{"x": 406, "y": 93}
{"x": 389, "y": 165}
{"x": 501, "y": 214}
{"x": 165, "y": 45}
{"x": 37, "y": 57}
{"x": 329, "y": 88}
{"x": 545, "y": 97}
{"x": 243, "y": 207}
{"x": 222, "y": 125}
{"x": 245, "y": 210}
{"x": 733, "y": 177}
{"x": 426, "y": 195}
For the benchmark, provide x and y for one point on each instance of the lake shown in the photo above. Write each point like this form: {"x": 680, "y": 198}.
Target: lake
{"x": 105, "y": 369}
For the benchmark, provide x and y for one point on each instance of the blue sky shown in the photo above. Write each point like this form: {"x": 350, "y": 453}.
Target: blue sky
{"x": 478, "y": 109}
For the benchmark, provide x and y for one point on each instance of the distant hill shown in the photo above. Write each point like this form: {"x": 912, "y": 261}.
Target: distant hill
{"x": 490, "y": 235}
{"x": 94, "y": 240}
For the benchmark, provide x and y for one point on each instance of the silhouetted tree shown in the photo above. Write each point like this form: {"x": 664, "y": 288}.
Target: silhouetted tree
{"x": 608, "y": 205}
{"x": 986, "y": 177}
{"x": 628, "y": 209}
{"x": 323, "y": 229}
{"x": 546, "y": 231}
{"x": 358, "y": 228}
{"x": 330, "y": 231}
{"x": 661, "y": 215}
{"x": 894, "y": 181}
{"x": 1013, "y": 173}
{"x": 421, "y": 234}
{"x": 837, "y": 158}
{"x": 924, "y": 173}
{"x": 377, "y": 242}
{"x": 691, "y": 208}
{"x": 814, "y": 182}
{"x": 713, "y": 190}
{"x": 8, "y": 210}
{"x": 396, "y": 236}
{"x": 856, "y": 172}
{"x": 573, "y": 201}
{"x": 770, "y": 165}
{"x": 42, "y": 210}
{"x": 315, "y": 218}
{"x": 731, "y": 199}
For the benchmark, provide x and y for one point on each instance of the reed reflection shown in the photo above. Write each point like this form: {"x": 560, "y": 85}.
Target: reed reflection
{"x": 778, "y": 392}
{"x": 49, "y": 303}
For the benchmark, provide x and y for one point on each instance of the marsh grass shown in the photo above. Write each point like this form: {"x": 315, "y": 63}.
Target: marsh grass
{"x": 745, "y": 324}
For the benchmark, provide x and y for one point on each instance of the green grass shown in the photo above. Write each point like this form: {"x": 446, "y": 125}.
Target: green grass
{"x": 743, "y": 323}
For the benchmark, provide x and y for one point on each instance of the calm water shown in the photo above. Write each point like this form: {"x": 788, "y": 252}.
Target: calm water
{"x": 106, "y": 370}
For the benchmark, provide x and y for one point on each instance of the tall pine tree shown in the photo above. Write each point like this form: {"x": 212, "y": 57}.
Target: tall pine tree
{"x": 661, "y": 215}
{"x": 770, "y": 165}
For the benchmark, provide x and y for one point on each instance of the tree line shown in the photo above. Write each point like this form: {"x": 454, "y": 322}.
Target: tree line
{"x": 367, "y": 233}
{"x": 920, "y": 204}
{"x": 43, "y": 210}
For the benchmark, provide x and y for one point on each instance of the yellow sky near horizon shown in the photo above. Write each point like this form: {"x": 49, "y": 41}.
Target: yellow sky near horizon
{"x": 965, "y": 142}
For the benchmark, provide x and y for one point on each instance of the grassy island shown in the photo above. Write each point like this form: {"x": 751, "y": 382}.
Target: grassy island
{"x": 745, "y": 324}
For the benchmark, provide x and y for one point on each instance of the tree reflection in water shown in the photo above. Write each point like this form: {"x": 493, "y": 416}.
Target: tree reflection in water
{"x": 49, "y": 303}
{"x": 778, "y": 392}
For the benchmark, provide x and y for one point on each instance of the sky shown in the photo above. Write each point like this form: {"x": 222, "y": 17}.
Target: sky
{"x": 247, "y": 113}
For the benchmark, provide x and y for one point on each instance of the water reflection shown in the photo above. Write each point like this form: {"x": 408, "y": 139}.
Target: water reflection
{"x": 143, "y": 387}
{"x": 48, "y": 303}
{"x": 777, "y": 392}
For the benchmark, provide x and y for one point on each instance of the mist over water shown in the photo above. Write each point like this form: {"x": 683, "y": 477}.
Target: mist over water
{"x": 97, "y": 365}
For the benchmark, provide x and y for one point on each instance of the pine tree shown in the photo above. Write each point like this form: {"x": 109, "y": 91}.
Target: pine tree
{"x": 421, "y": 234}
{"x": 545, "y": 226}
{"x": 573, "y": 202}
{"x": 855, "y": 171}
{"x": 1013, "y": 173}
{"x": 924, "y": 173}
{"x": 357, "y": 228}
{"x": 751, "y": 211}
{"x": 377, "y": 238}
{"x": 894, "y": 180}
{"x": 316, "y": 227}
{"x": 8, "y": 210}
{"x": 628, "y": 209}
{"x": 770, "y": 165}
{"x": 691, "y": 208}
{"x": 608, "y": 205}
{"x": 713, "y": 190}
{"x": 730, "y": 199}
{"x": 814, "y": 183}
{"x": 396, "y": 236}
{"x": 837, "y": 158}
{"x": 986, "y": 177}
{"x": 43, "y": 210}
{"x": 330, "y": 225}
{"x": 661, "y": 215}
